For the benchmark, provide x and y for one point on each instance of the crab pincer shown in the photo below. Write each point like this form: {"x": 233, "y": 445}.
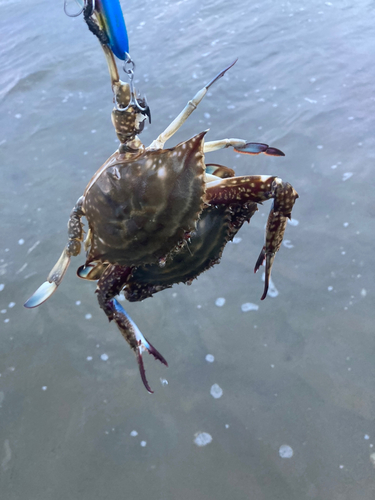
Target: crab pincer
{"x": 284, "y": 198}
{"x": 135, "y": 339}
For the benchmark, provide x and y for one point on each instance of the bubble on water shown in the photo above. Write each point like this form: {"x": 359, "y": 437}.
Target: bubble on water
{"x": 134, "y": 433}
{"x": 202, "y": 438}
{"x": 207, "y": 115}
{"x": 227, "y": 426}
{"x": 341, "y": 466}
{"x": 333, "y": 166}
{"x": 216, "y": 391}
{"x": 143, "y": 443}
{"x": 347, "y": 176}
{"x": 21, "y": 241}
{"x": 236, "y": 240}
{"x": 363, "y": 292}
{"x": 6, "y": 320}
{"x": 285, "y": 451}
{"x": 2, "y": 287}
{"x": 163, "y": 381}
{"x": 293, "y": 222}
{"x": 346, "y": 224}
{"x": 330, "y": 288}
{"x": 372, "y": 459}
{"x": 11, "y": 304}
{"x": 319, "y": 146}
{"x": 288, "y": 244}
{"x": 3, "y": 311}
{"x": 78, "y": 302}
{"x": 44, "y": 388}
{"x": 366, "y": 436}
{"x": 89, "y": 358}
{"x": 249, "y": 306}
{"x": 220, "y": 302}
{"x": 88, "y": 316}
{"x": 104, "y": 357}
{"x": 210, "y": 358}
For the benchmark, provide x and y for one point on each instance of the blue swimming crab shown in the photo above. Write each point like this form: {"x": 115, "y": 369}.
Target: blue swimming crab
{"x": 160, "y": 216}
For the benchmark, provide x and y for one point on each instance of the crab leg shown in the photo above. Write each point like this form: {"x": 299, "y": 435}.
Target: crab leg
{"x": 73, "y": 248}
{"x": 241, "y": 146}
{"x": 284, "y": 199}
{"x": 185, "y": 113}
{"x": 258, "y": 188}
{"x": 110, "y": 284}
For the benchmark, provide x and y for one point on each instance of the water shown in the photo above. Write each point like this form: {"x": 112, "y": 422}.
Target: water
{"x": 297, "y": 374}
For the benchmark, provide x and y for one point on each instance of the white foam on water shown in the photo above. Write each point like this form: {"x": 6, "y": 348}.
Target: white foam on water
{"x": 143, "y": 443}
{"x": 2, "y": 287}
{"x": 89, "y": 358}
{"x": 21, "y": 241}
{"x": 220, "y": 302}
{"x": 202, "y": 438}
{"x": 104, "y": 357}
{"x": 293, "y": 222}
{"x": 216, "y": 391}
{"x": 134, "y": 433}
{"x": 285, "y": 451}
{"x": 11, "y": 304}
{"x": 347, "y": 176}
{"x": 44, "y": 388}
{"x": 210, "y": 358}
{"x": 88, "y": 316}
{"x": 288, "y": 244}
{"x": 249, "y": 306}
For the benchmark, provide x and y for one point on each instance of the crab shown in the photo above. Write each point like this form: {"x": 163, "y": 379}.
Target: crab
{"x": 160, "y": 216}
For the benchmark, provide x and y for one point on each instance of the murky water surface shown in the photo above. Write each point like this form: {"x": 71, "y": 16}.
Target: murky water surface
{"x": 261, "y": 400}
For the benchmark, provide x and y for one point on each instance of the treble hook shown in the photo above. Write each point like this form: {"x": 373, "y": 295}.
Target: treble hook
{"x": 83, "y": 4}
{"x": 133, "y": 94}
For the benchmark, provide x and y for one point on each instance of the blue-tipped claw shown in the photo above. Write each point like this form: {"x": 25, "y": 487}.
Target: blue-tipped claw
{"x": 142, "y": 343}
{"x": 43, "y": 293}
{"x": 255, "y": 148}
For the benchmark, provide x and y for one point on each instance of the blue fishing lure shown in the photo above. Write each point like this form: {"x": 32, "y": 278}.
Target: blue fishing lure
{"x": 114, "y": 25}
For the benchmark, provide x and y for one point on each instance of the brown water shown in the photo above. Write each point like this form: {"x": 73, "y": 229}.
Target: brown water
{"x": 299, "y": 370}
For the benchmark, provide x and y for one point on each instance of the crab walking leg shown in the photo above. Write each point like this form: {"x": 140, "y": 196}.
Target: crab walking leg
{"x": 285, "y": 197}
{"x": 247, "y": 188}
{"x": 110, "y": 284}
{"x": 241, "y": 146}
{"x": 73, "y": 248}
{"x": 185, "y": 113}
{"x": 258, "y": 188}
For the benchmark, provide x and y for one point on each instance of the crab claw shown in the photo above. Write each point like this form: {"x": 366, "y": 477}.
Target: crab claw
{"x": 43, "y": 293}
{"x": 270, "y": 257}
{"x": 136, "y": 340}
{"x": 255, "y": 148}
{"x": 54, "y": 279}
